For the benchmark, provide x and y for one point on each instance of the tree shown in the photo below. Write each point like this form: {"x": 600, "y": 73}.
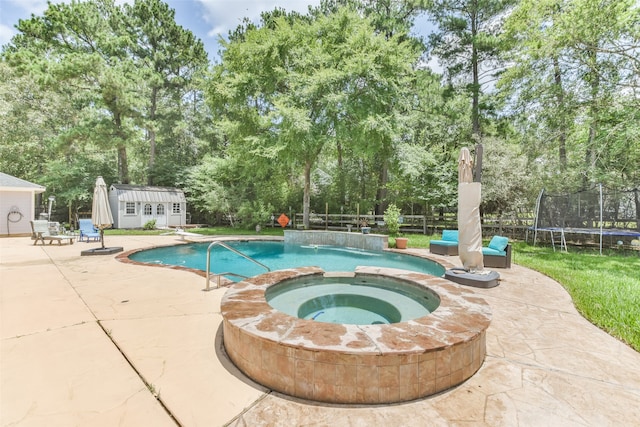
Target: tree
{"x": 467, "y": 44}
{"x": 287, "y": 89}
{"x": 573, "y": 75}
{"x": 78, "y": 47}
{"x": 170, "y": 58}
{"x": 392, "y": 19}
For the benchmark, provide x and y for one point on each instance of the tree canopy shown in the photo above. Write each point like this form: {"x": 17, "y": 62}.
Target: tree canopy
{"x": 334, "y": 107}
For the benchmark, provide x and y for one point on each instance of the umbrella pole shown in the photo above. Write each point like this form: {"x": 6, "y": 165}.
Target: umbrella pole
{"x": 102, "y": 237}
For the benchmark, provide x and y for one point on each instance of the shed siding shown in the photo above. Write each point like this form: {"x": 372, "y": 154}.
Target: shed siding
{"x": 11, "y": 223}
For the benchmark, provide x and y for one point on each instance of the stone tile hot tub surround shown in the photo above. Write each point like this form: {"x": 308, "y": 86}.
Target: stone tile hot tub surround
{"x": 365, "y": 364}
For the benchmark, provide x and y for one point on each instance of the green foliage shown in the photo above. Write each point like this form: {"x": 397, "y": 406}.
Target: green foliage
{"x": 331, "y": 107}
{"x": 392, "y": 219}
{"x": 283, "y": 97}
{"x": 149, "y": 225}
{"x": 256, "y": 213}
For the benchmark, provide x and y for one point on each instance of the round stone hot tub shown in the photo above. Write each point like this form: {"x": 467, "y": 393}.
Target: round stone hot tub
{"x": 390, "y": 360}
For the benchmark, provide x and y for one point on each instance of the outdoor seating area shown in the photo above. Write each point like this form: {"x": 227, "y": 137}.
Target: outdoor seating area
{"x": 41, "y": 231}
{"x": 448, "y": 245}
{"x": 498, "y": 253}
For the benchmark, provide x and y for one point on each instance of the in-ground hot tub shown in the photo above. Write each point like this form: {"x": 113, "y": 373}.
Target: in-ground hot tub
{"x": 383, "y": 362}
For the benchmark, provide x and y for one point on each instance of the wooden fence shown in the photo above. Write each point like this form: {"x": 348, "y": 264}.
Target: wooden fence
{"x": 514, "y": 227}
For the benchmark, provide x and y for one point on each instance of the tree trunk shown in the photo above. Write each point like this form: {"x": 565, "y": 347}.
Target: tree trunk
{"x": 306, "y": 199}
{"x": 123, "y": 166}
{"x": 151, "y": 133}
{"x": 341, "y": 184}
{"x": 562, "y": 129}
{"x": 590, "y": 156}
{"x": 475, "y": 90}
{"x": 381, "y": 194}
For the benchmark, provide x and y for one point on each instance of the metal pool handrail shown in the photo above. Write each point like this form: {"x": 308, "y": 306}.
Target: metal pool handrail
{"x": 235, "y": 251}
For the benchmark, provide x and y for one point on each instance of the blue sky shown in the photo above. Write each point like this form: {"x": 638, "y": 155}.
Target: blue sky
{"x": 204, "y": 18}
{"x": 207, "y": 19}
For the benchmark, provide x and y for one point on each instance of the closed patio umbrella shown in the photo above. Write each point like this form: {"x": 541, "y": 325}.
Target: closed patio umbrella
{"x": 100, "y": 210}
{"x": 469, "y": 228}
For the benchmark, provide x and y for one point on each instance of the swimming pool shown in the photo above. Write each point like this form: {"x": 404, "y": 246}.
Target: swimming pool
{"x": 278, "y": 255}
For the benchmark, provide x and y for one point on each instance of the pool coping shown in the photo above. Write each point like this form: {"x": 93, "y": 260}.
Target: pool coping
{"x": 124, "y": 256}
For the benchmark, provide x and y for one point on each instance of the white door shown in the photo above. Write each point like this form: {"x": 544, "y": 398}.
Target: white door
{"x": 147, "y": 213}
{"x": 161, "y": 215}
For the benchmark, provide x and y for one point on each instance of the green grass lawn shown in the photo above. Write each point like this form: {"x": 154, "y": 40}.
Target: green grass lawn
{"x": 605, "y": 288}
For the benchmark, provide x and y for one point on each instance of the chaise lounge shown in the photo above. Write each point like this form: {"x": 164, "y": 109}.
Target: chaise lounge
{"x": 41, "y": 232}
{"x": 498, "y": 253}
{"x": 447, "y": 246}
{"x": 87, "y": 230}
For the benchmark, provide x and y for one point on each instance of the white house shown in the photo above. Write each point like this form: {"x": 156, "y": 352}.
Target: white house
{"x": 17, "y": 204}
{"x": 133, "y": 206}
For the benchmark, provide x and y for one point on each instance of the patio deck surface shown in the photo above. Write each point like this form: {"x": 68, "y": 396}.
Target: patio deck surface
{"x": 91, "y": 341}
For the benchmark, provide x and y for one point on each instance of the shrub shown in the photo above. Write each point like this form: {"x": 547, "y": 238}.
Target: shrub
{"x": 150, "y": 225}
{"x": 392, "y": 219}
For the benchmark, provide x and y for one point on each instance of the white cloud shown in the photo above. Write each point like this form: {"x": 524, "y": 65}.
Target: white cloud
{"x": 6, "y": 33}
{"x": 29, "y": 6}
{"x": 225, "y": 15}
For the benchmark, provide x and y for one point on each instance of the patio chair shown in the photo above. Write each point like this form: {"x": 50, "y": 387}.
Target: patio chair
{"x": 87, "y": 230}
{"x": 41, "y": 232}
{"x": 498, "y": 253}
{"x": 447, "y": 246}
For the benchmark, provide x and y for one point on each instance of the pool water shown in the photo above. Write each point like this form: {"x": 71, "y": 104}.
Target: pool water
{"x": 278, "y": 256}
{"x": 352, "y": 300}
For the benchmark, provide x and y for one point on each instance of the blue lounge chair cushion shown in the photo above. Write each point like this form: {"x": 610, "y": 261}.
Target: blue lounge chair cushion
{"x": 491, "y": 251}
{"x": 445, "y": 242}
{"x": 450, "y": 236}
{"x": 499, "y": 243}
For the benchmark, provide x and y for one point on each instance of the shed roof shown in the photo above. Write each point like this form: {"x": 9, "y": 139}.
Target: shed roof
{"x": 147, "y": 193}
{"x": 11, "y": 183}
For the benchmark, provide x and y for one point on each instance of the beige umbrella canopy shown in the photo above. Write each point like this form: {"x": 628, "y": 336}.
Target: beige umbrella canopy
{"x": 465, "y": 166}
{"x": 100, "y": 210}
{"x": 469, "y": 229}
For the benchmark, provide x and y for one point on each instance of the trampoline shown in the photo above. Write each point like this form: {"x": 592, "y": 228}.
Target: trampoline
{"x": 597, "y": 212}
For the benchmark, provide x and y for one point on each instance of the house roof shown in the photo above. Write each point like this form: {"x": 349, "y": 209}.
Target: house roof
{"x": 11, "y": 183}
{"x": 147, "y": 193}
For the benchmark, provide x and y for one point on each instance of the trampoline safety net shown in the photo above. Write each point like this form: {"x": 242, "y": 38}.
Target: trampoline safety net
{"x": 598, "y": 211}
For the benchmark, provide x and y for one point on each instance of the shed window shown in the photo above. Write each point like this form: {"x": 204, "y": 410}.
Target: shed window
{"x": 130, "y": 208}
{"x": 160, "y": 210}
{"x": 147, "y": 209}
{"x": 176, "y": 208}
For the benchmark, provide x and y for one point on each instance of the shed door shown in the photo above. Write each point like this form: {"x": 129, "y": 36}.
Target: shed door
{"x": 161, "y": 215}
{"x": 157, "y": 211}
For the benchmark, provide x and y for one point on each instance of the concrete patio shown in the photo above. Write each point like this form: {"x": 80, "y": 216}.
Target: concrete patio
{"x": 91, "y": 341}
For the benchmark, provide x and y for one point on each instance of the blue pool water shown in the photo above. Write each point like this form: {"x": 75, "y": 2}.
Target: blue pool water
{"x": 352, "y": 300}
{"x": 278, "y": 256}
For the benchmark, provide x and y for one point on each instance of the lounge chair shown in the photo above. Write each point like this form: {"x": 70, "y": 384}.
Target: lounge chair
{"x": 498, "y": 253}
{"x": 447, "y": 246}
{"x": 41, "y": 232}
{"x": 87, "y": 230}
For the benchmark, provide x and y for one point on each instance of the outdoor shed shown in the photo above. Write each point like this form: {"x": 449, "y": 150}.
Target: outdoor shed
{"x": 17, "y": 204}
{"x": 133, "y": 206}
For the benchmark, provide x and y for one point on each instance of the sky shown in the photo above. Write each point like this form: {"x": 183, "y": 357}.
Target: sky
{"x": 206, "y": 19}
